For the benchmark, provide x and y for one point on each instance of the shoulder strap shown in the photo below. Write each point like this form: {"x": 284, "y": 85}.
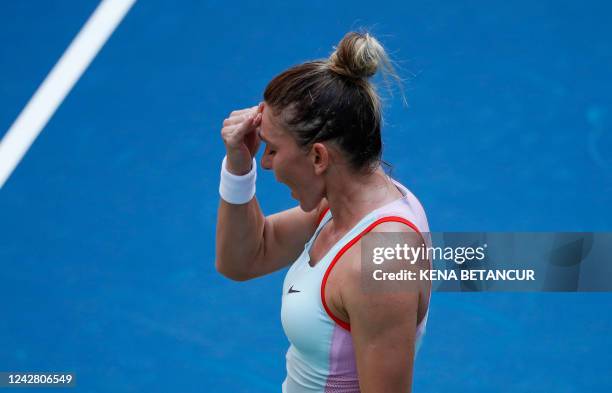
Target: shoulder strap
{"x": 345, "y": 248}
{"x": 322, "y": 215}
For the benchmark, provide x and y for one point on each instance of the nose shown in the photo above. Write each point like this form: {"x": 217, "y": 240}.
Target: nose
{"x": 266, "y": 160}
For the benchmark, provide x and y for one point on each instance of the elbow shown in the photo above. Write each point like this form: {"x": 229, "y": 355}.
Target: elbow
{"x": 229, "y": 273}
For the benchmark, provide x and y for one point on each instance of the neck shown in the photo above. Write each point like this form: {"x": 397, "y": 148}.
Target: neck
{"x": 352, "y": 197}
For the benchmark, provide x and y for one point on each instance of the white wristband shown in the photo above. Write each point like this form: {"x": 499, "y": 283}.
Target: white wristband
{"x": 236, "y": 189}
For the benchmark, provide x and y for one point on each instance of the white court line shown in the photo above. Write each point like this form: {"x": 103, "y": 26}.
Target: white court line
{"x": 59, "y": 82}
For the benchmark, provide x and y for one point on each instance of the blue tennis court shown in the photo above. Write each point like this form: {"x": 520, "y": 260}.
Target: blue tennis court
{"x": 108, "y": 223}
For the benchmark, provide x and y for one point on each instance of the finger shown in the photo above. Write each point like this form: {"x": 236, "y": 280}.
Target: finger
{"x": 252, "y": 141}
{"x": 257, "y": 119}
{"x": 257, "y": 144}
{"x": 235, "y": 119}
{"x": 240, "y": 112}
{"x": 246, "y": 126}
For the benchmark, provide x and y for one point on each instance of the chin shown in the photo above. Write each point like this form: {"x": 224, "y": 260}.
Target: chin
{"x": 304, "y": 205}
{"x": 307, "y": 207}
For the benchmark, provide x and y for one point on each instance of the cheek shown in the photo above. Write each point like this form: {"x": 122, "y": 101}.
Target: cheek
{"x": 289, "y": 167}
{"x": 280, "y": 168}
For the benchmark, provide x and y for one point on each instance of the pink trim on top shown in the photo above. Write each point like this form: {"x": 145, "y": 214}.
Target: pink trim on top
{"x": 342, "y": 376}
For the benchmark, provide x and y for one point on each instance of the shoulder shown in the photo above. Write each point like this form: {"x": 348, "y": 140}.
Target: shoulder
{"x": 382, "y": 322}
{"x": 362, "y": 304}
{"x": 395, "y": 224}
{"x": 352, "y": 262}
{"x": 374, "y": 307}
{"x": 351, "y": 259}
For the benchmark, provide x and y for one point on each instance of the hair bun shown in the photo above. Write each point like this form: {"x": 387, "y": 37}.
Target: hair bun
{"x": 357, "y": 56}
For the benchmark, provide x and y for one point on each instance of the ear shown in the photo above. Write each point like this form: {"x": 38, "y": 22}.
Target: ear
{"x": 320, "y": 157}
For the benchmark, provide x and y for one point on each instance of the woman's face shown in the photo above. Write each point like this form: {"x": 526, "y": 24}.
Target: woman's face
{"x": 291, "y": 164}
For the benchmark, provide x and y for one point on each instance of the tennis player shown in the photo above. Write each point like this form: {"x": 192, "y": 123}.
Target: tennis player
{"x": 321, "y": 125}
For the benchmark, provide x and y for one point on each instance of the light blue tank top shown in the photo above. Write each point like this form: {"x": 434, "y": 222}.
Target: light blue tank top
{"x": 321, "y": 358}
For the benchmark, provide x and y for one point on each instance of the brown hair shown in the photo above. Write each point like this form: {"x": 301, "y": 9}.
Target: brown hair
{"x": 333, "y": 99}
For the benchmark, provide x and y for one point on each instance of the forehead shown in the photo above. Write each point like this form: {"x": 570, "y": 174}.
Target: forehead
{"x": 270, "y": 125}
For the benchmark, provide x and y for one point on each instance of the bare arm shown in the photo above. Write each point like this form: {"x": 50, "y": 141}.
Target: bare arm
{"x": 249, "y": 245}
{"x": 383, "y": 327}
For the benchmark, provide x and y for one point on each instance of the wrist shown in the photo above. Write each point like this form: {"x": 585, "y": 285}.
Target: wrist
{"x": 238, "y": 169}
{"x": 237, "y": 189}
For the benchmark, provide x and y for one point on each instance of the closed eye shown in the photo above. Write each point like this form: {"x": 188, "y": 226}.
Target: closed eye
{"x": 269, "y": 147}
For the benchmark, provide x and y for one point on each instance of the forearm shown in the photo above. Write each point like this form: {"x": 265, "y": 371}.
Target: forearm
{"x": 239, "y": 238}
{"x": 240, "y": 222}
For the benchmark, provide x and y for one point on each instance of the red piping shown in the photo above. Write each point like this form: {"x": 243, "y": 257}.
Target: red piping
{"x": 322, "y": 215}
{"x": 340, "y": 322}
